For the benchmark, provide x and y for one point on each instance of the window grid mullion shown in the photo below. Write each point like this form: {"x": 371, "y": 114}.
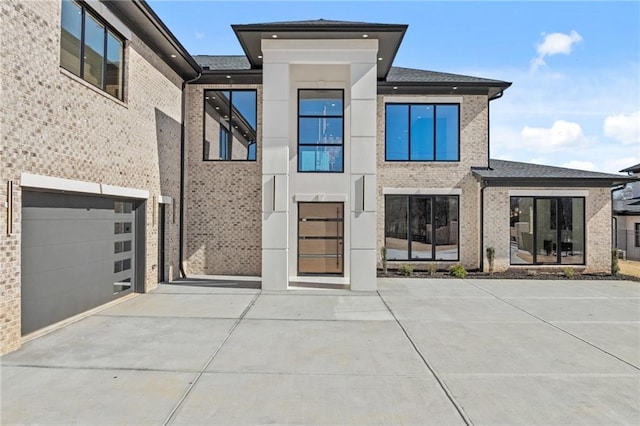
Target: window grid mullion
{"x": 435, "y": 142}
{"x": 82, "y": 36}
{"x": 104, "y": 61}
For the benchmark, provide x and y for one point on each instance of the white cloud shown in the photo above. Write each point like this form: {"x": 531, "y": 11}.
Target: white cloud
{"x": 580, "y": 165}
{"x": 554, "y": 44}
{"x": 561, "y": 135}
{"x": 623, "y": 127}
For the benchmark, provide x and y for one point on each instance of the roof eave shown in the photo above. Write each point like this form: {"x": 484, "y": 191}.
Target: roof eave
{"x": 150, "y": 28}
{"x": 555, "y": 182}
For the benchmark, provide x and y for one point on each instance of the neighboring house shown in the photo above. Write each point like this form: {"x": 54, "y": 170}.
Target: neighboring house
{"x": 127, "y": 162}
{"x": 626, "y": 217}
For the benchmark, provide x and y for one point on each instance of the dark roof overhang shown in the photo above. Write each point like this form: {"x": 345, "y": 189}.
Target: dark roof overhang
{"x": 547, "y": 182}
{"x": 230, "y": 77}
{"x": 144, "y": 22}
{"x": 632, "y": 169}
{"x": 492, "y": 90}
{"x": 389, "y": 37}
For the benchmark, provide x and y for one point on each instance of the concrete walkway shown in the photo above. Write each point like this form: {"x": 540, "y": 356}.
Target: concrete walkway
{"x": 417, "y": 352}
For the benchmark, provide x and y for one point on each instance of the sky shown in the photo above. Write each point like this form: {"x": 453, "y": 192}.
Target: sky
{"x": 575, "y": 66}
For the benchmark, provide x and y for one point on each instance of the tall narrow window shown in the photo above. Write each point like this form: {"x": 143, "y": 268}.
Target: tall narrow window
{"x": 90, "y": 49}
{"x": 230, "y": 129}
{"x": 422, "y": 132}
{"x": 320, "y": 130}
{"x": 421, "y": 227}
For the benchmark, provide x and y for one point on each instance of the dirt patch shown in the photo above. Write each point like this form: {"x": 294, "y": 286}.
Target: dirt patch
{"x": 523, "y": 274}
{"x": 630, "y": 267}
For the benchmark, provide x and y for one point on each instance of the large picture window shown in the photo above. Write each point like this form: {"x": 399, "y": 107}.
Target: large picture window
{"x": 421, "y": 227}
{"x": 90, "y": 49}
{"x": 230, "y": 125}
{"x": 320, "y": 130}
{"x": 422, "y": 132}
{"x": 547, "y": 230}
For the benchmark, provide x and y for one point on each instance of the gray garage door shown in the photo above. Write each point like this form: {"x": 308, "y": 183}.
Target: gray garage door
{"x": 78, "y": 252}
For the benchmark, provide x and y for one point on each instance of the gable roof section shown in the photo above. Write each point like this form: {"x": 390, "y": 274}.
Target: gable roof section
{"x": 410, "y": 80}
{"x": 222, "y": 62}
{"x": 513, "y": 173}
{"x": 389, "y": 36}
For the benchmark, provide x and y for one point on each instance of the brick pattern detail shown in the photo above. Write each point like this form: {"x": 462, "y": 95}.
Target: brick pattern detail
{"x": 55, "y": 124}
{"x": 597, "y": 238}
{"x": 473, "y": 152}
{"x": 223, "y": 200}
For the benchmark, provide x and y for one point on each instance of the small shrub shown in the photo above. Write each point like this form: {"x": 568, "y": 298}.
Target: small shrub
{"x": 458, "y": 271}
{"x": 383, "y": 254}
{"x": 405, "y": 270}
{"x": 568, "y": 272}
{"x": 491, "y": 256}
{"x": 615, "y": 268}
{"x": 532, "y": 272}
{"x": 432, "y": 269}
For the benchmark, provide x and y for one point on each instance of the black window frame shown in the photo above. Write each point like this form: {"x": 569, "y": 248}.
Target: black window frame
{"x": 315, "y": 144}
{"x": 107, "y": 29}
{"x": 636, "y": 234}
{"x": 433, "y": 228}
{"x": 229, "y": 131}
{"x": 435, "y": 141}
{"x": 557, "y": 228}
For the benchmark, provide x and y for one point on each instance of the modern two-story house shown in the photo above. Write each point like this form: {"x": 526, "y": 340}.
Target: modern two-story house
{"x": 127, "y": 162}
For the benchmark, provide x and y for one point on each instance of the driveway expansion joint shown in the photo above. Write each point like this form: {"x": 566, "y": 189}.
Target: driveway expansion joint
{"x": 174, "y": 412}
{"x": 551, "y": 324}
{"x": 458, "y": 407}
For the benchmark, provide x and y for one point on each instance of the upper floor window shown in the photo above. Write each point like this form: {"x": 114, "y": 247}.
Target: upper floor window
{"x": 90, "y": 49}
{"x": 230, "y": 125}
{"x": 422, "y": 132}
{"x": 320, "y": 129}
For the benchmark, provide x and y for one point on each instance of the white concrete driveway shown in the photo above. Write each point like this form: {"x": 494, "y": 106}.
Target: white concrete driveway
{"x": 417, "y": 352}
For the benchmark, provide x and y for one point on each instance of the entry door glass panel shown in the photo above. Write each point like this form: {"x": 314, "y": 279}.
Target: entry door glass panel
{"x": 547, "y": 230}
{"x": 320, "y": 238}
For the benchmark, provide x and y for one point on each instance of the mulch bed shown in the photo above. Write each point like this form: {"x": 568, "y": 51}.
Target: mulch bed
{"x": 511, "y": 274}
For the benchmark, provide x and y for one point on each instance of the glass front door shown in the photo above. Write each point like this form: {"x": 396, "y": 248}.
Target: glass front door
{"x": 320, "y": 238}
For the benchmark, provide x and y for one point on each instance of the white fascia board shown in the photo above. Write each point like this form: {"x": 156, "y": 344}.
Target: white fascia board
{"x": 548, "y": 192}
{"x": 320, "y": 197}
{"x": 121, "y": 191}
{"x": 59, "y": 184}
{"x": 421, "y": 191}
{"x": 29, "y": 180}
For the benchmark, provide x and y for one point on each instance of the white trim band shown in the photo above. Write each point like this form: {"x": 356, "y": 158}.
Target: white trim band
{"x": 320, "y": 197}
{"x": 548, "y": 193}
{"x": 421, "y": 191}
{"x": 424, "y": 99}
{"x": 60, "y": 184}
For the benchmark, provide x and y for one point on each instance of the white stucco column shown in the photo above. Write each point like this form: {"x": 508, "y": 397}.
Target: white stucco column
{"x": 363, "y": 172}
{"x": 275, "y": 174}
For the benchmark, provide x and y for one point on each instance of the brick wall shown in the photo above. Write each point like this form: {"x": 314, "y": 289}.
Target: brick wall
{"x": 54, "y": 124}
{"x": 223, "y": 200}
{"x": 598, "y": 228}
{"x": 473, "y": 152}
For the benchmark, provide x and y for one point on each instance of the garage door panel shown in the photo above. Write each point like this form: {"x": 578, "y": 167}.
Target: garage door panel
{"x": 54, "y": 233}
{"x": 55, "y": 258}
{"x": 73, "y": 253}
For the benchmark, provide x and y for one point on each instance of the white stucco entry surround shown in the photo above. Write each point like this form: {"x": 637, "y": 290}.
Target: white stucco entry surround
{"x": 289, "y": 65}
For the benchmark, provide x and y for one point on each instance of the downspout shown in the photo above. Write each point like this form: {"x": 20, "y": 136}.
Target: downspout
{"x": 483, "y": 186}
{"x": 182, "y": 173}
